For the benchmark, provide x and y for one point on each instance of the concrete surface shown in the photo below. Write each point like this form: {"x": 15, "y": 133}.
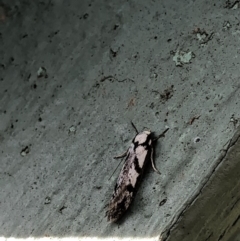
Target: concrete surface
{"x": 72, "y": 76}
{"x": 214, "y": 213}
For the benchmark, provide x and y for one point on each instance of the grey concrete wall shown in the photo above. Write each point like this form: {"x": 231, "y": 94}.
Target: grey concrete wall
{"x": 73, "y": 74}
{"x": 215, "y": 212}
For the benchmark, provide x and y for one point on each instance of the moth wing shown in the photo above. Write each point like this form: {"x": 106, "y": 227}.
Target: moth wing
{"x": 124, "y": 189}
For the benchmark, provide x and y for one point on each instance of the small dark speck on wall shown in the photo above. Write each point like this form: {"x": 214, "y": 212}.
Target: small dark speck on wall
{"x": 85, "y": 16}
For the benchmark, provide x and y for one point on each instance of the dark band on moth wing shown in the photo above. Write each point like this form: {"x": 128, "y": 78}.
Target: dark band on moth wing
{"x": 121, "y": 205}
{"x": 135, "y": 145}
{"x": 146, "y": 143}
{"x": 130, "y": 188}
{"x": 136, "y": 165}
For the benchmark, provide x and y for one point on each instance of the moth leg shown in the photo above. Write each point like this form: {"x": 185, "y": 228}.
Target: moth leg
{"x": 116, "y": 157}
{"x": 161, "y": 135}
{"x": 122, "y": 155}
{"x": 135, "y": 128}
{"x": 153, "y": 165}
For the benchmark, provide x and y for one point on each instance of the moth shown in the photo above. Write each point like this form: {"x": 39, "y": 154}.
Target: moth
{"x": 137, "y": 156}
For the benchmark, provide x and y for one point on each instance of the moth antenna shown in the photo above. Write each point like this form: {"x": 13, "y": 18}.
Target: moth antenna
{"x": 116, "y": 157}
{"x": 153, "y": 165}
{"x": 161, "y": 135}
{"x": 135, "y": 127}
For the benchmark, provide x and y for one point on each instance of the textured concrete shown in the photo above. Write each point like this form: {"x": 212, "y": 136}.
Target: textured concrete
{"x": 214, "y": 213}
{"x": 72, "y": 76}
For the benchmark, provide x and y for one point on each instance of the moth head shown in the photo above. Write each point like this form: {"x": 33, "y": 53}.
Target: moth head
{"x": 143, "y": 137}
{"x": 147, "y": 132}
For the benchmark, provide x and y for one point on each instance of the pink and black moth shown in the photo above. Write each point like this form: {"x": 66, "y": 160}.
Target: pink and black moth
{"x": 137, "y": 155}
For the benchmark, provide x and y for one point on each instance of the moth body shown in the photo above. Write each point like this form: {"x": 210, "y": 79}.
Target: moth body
{"x": 140, "y": 150}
